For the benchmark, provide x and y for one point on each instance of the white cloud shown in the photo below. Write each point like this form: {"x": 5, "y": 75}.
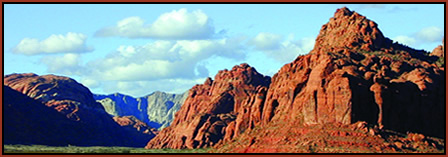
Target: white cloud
{"x": 266, "y": 41}
{"x": 177, "y": 24}
{"x": 90, "y": 83}
{"x": 430, "y": 34}
{"x": 69, "y": 43}
{"x": 426, "y": 36}
{"x": 282, "y": 50}
{"x": 165, "y": 65}
{"x": 126, "y": 51}
{"x": 151, "y": 69}
{"x": 406, "y": 40}
{"x": 142, "y": 88}
{"x": 68, "y": 64}
{"x": 164, "y": 60}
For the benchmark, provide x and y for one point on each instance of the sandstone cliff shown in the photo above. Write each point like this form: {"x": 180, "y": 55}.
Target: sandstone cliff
{"x": 210, "y": 108}
{"x": 354, "y": 75}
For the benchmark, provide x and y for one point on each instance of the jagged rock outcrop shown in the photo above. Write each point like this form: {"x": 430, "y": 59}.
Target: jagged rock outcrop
{"x": 353, "y": 74}
{"x": 211, "y": 108}
{"x": 348, "y": 30}
{"x": 439, "y": 51}
{"x": 163, "y": 106}
{"x": 76, "y": 103}
{"x": 156, "y": 109}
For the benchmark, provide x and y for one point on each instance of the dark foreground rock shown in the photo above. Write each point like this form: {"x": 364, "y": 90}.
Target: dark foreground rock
{"x": 80, "y": 119}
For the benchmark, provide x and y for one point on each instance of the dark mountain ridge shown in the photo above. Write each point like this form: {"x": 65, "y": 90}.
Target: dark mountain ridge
{"x": 84, "y": 121}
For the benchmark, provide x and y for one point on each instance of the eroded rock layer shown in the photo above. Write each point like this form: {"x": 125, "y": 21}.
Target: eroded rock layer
{"x": 209, "y": 112}
{"x": 353, "y": 74}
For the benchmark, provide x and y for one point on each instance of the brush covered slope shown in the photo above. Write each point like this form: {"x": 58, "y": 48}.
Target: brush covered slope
{"x": 73, "y": 102}
{"x": 156, "y": 109}
{"x": 356, "y": 91}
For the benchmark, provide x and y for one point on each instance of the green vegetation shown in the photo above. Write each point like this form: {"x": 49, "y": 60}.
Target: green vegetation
{"x": 93, "y": 149}
{"x": 440, "y": 62}
{"x": 395, "y": 56}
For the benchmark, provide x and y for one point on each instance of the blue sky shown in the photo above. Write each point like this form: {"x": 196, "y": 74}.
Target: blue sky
{"x": 136, "y": 49}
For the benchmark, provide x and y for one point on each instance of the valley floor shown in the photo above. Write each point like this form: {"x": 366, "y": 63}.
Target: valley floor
{"x": 11, "y": 149}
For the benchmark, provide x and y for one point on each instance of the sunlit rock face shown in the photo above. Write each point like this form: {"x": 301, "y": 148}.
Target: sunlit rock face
{"x": 156, "y": 109}
{"x": 211, "y": 108}
{"x": 354, "y": 73}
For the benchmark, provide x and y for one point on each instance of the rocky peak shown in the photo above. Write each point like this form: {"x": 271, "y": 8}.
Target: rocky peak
{"x": 240, "y": 81}
{"x": 353, "y": 74}
{"x": 343, "y": 12}
{"x": 208, "y": 81}
{"x": 348, "y": 29}
{"x": 242, "y": 74}
{"x": 439, "y": 50}
{"x": 211, "y": 107}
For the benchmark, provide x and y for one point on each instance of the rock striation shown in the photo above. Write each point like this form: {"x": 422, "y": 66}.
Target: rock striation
{"x": 156, "y": 109}
{"x": 132, "y": 123}
{"x": 210, "y": 110}
{"x": 353, "y": 74}
{"x": 356, "y": 74}
{"x": 76, "y": 103}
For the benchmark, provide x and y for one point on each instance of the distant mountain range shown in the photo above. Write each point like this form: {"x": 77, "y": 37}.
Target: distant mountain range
{"x": 156, "y": 109}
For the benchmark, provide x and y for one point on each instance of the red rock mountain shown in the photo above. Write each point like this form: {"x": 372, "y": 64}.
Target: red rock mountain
{"x": 74, "y": 102}
{"x": 353, "y": 78}
{"x": 61, "y": 93}
{"x": 439, "y": 50}
{"x": 210, "y": 108}
{"x": 356, "y": 74}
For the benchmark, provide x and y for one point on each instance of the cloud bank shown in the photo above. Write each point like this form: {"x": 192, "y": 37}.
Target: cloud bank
{"x": 426, "y": 35}
{"x": 163, "y": 59}
{"x": 177, "y": 24}
{"x": 183, "y": 49}
{"x": 69, "y": 43}
{"x": 283, "y": 50}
